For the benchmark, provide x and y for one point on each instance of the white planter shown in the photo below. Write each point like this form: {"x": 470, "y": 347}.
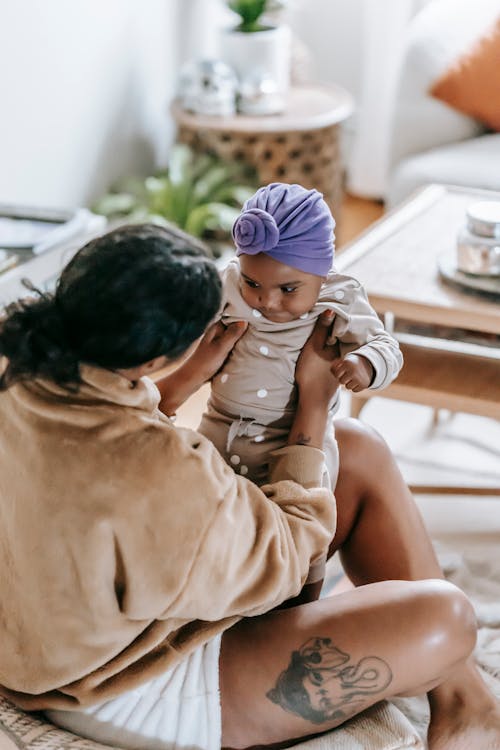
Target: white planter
{"x": 258, "y": 53}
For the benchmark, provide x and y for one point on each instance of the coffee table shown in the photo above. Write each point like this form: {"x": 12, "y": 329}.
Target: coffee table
{"x": 449, "y": 336}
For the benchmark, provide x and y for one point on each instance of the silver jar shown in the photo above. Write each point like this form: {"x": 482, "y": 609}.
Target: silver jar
{"x": 478, "y": 242}
{"x": 208, "y": 87}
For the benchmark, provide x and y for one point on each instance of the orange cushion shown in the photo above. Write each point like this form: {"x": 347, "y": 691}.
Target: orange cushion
{"x": 472, "y": 83}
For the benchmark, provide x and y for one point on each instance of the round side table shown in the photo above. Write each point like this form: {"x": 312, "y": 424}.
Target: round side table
{"x": 300, "y": 145}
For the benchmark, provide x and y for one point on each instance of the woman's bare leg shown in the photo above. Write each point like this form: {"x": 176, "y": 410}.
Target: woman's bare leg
{"x": 379, "y": 641}
{"x": 300, "y": 671}
{"x": 403, "y": 550}
{"x": 380, "y": 533}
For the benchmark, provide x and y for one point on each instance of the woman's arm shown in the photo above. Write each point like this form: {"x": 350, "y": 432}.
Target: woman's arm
{"x": 238, "y": 549}
{"x": 208, "y": 357}
{"x": 256, "y": 550}
{"x": 316, "y": 386}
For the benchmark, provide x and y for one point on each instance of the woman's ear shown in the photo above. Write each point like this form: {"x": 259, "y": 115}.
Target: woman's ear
{"x": 154, "y": 364}
{"x": 147, "y": 368}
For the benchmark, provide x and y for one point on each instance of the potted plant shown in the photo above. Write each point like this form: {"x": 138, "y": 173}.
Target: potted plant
{"x": 199, "y": 193}
{"x": 255, "y": 48}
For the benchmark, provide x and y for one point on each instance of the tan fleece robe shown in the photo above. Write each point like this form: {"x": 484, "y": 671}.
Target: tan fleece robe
{"x": 125, "y": 542}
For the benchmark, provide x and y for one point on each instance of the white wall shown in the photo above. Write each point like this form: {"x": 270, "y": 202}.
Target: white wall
{"x": 84, "y": 89}
{"x": 331, "y": 30}
{"x": 85, "y": 84}
{"x": 332, "y": 33}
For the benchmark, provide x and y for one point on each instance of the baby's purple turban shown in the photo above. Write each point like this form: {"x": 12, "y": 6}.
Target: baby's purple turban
{"x": 289, "y": 223}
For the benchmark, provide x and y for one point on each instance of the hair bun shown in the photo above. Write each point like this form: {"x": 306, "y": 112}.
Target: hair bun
{"x": 255, "y": 231}
{"x": 34, "y": 341}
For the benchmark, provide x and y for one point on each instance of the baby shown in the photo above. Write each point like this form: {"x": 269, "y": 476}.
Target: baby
{"x": 280, "y": 282}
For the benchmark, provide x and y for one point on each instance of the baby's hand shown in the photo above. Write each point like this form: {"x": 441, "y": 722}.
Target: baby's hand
{"x": 353, "y": 371}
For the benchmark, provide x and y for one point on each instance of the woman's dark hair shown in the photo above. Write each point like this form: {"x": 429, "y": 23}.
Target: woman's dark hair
{"x": 133, "y": 294}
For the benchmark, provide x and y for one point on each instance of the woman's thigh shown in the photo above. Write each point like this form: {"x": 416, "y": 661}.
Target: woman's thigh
{"x": 380, "y": 532}
{"x": 367, "y": 469}
{"x": 296, "y": 672}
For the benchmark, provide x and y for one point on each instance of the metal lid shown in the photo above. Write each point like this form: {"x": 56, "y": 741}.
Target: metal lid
{"x": 483, "y": 218}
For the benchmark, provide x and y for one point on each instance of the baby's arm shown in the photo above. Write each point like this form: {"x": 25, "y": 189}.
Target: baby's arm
{"x": 369, "y": 356}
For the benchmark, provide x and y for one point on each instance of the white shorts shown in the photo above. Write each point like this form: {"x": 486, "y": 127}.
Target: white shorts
{"x": 180, "y": 709}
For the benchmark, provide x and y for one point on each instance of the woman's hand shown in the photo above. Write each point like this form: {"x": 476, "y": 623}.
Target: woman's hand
{"x": 313, "y": 371}
{"x": 214, "y": 348}
{"x": 208, "y": 357}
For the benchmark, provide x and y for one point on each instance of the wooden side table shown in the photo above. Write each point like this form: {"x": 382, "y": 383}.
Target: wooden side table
{"x": 300, "y": 145}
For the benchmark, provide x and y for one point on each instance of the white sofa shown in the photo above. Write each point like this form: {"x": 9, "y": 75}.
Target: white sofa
{"x": 430, "y": 141}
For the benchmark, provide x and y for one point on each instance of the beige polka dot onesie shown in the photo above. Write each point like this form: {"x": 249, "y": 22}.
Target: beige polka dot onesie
{"x": 253, "y": 398}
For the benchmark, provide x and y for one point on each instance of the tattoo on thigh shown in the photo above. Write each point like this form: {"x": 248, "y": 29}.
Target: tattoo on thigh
{"x": 321, "y": 685}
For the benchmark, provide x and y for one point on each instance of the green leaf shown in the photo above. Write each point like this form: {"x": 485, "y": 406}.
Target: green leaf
{"x": 216, "y": 177}
{"x": 233, "y": 194}
{"x": 182, "y": 174}
{"x": 180, "y": 164}
{"x": 134, "y": 186}
{"x": 159, "y": 199}
{"x": 138, "y": 215}
{"x": 114, "y": 204}
{"x": 214, "y": 185}
{"x": 202, "y": 163}
{"x": 211, "y": 217}
{"x": 249, "y": 12}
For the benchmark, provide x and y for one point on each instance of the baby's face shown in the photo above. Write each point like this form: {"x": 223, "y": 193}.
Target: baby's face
{"x": 281, "y": 293}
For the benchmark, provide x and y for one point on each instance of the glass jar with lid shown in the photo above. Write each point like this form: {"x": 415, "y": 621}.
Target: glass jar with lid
{"x": 478, "y": 242}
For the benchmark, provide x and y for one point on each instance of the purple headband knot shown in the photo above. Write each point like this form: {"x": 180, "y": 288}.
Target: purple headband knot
{"x": 289, "y": 223}
{"x": 255, "y": 231}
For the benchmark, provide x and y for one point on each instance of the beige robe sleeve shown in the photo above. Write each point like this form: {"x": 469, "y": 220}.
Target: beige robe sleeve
{"x": 218, "y": 545}
{"x": 258, "y": 549}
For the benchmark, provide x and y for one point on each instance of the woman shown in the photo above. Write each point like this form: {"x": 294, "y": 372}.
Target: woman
{"x": 135, "y": 564}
